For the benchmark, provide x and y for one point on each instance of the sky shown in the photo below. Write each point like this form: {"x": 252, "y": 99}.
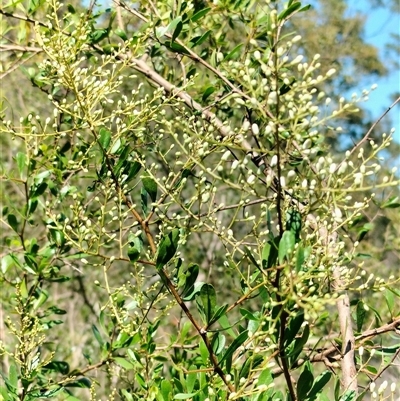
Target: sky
{"x": 380, "y": 22}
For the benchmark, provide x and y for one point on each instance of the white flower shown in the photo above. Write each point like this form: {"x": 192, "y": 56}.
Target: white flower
{"x": 251, "y": 179}
{"x": 330, "y": 72}
{"x": 255, "y": 129}
{"x": 274, "y": 160}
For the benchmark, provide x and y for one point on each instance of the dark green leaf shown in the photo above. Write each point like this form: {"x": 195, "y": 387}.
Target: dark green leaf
{"x": 206, "y": 301}
{"x": 289, "y": 11}
{"x": 38, "y": 190}
{"x": 237, "y": 342}
{"x": 391, "y": 203}
{"x": 218, "y": 313}
{"x": 104, "y": 138}
{"x": 151, "y": 187}
{"x": 360, "y": 314}
{"x": 167, "y": 248}
{"x": 82, "y": 382}
{"x": 208, "y": 92}
{"x": 304, "y": 383}
{"x": 299, "y": 344}
{"x": 133, "y": 254}
{"x": 58, "y": 366}
{"x": 134, "y": 169}
{"x": 198, "y": 40}
{"x": 349, "y": 395}
{"x": 293, "y": 223}
{"x": 293, "y": 328}
{"x": 71, "y": 9}
{"x": 13, "y": 222}
{"x": 305, "y": 8}
{"x": 319, "y": 383}
{"x": 173, "y": 24}
{"x": 191, "y": 277}
{"x": 177, "y": 31}
{"x": 200, "y": 14}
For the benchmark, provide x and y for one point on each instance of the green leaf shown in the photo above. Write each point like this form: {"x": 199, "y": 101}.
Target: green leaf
{"x": 249, "y": 254}
{"x": 224, "y": 322}
{"x": 218, "y": 313}
{"x": 206, "y": 302}
{"x": 166, "y": 389}
{"x": 13, "y": 376}
{"x": 200, "y": 14}
{"x": 71, "y": 9}
{"x": 82, "y": 382}
{"x": 293, "y": 328}
{"x": 360, "y": 315}
{"x": 104, "y": 138}
{"x": 391, "y": 203}
{"x": 349, "y": 395}
{"x": 173, "y": 24}
{"x": 38, "y": 189}
{"x": 305, "y": 8}
{"x": 319, "y": 383}
{"x": 233, "y": 53}
{"x": 191, "y": 274}
{"x": 184, "y": 396}
{"x": 236, "y": 343}
{"x": 167, "y": 248}
{"x": 121, "y": 33}
{"x": 97, "y": 335}
{"x": 294, "y": 223}
{"x": 13, "y": 222}
{"x": 151, "y": 187}
{"x": 191, "y": 378}
{"x": 177, "y": 31}
{"x": 304, "y": 383}
{"x": 134, "y": 169}
{"x": 265, "y": 254}
{"x": 98, "y": 35}
{"x": 299, "y": 344}
{"x": 251, "y": 363}
{"x": 21, "y": 163}
{"x": 207, "y": 93}
{"x": 218, "y": 343}
{"x": 286, "y": 246}
{"x": 203, "y": 352}
{"x": 265, "y": 378}
{"x": 124, "y": 363}
{"x": 270, "y": 253}
{"x": 289, "y": 11}
{"x": 198, "y": 40}
{"x": 58, "y": 367}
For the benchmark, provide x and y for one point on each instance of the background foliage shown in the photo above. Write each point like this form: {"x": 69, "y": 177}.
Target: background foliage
{"x": 191, "y": 208}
